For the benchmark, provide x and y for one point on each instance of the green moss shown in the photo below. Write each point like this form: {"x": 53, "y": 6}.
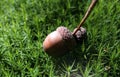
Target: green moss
{"x": 24, "y": 24}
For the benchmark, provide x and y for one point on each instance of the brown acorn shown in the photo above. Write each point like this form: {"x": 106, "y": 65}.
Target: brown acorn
{"x": 62, "y": 40}
{"x": 59, "y": 42}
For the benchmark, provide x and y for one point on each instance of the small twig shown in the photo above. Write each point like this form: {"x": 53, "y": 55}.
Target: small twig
{"x": 86, "y": 15}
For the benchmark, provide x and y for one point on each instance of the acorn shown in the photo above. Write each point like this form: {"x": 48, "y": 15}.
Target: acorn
{"x": 62, "y": 40}
{"x": 59, "y": 42}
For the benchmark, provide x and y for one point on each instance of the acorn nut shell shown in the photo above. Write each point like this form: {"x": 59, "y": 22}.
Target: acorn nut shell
{"x": 59, "y": 42}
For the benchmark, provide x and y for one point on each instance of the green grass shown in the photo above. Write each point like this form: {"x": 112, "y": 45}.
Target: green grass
{"x": 24, "y": 24}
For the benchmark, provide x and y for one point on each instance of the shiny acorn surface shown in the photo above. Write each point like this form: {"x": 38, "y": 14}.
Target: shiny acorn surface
{"x": 55, "y": 44}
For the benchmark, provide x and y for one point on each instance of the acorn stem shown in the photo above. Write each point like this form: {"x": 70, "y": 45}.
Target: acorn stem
{"x": 86, "y": 15}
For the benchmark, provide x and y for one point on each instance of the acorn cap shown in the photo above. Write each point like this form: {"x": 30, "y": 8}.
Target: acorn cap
{"x": 80, "y": 34}
{"x": 67, "y": 37}
{"x": 83, "y": 31}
